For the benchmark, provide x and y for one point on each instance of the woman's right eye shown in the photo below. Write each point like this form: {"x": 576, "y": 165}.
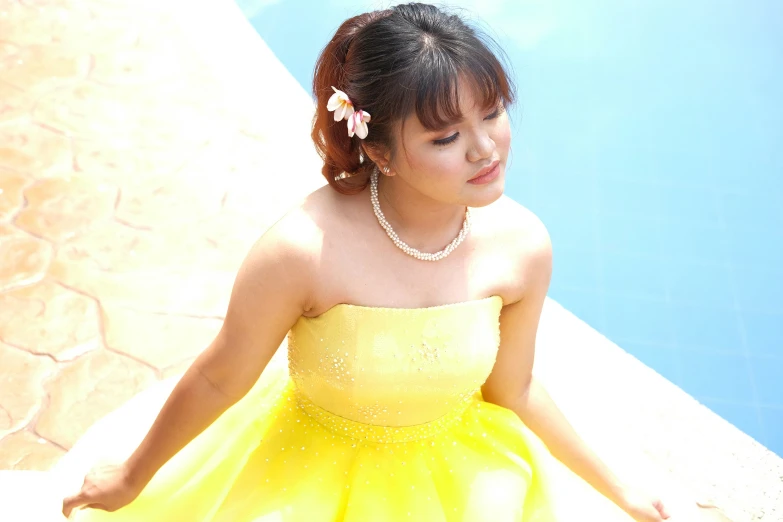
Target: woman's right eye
{"x": 446, "y": 141}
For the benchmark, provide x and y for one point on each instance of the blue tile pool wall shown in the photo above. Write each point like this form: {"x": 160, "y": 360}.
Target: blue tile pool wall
{"x": 684, "y": 278}
{"x": 648, "y": 138}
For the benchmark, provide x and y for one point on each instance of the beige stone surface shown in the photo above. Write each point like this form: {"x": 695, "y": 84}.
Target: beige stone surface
{"x": 87, "y": 389}
{"x": 23, "y": 259}
{"x": 135, "y": 173}
{"x": 14, "y": 102}
{"x": 58, "y": 208}
{"x": 33, "y": 66}
{"x": 22, "y": 379}
{"x": 43, "y": 22}
{"x": 139, "y": 160}
{"x": 195, "y": 292}
{"x": 50, "y": 319}
{"x": 119, "y": 160}
{"x": 11, "y": 196}
{"x": 23, "y": 450}
{"x": 160, "y": 340}
{"x": 112, "y": 246}
{"x": 151, "y": 201}
{"x": 33, "y": 149}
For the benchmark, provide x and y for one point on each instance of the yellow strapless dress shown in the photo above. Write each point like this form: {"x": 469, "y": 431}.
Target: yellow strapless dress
{"x": 376, "y": 417}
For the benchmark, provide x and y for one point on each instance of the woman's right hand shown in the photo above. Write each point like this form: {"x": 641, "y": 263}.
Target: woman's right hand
{"x": 107, "y": 487}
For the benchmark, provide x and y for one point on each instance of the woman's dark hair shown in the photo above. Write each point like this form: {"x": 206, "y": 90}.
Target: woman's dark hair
{"x": 392, "y": 63}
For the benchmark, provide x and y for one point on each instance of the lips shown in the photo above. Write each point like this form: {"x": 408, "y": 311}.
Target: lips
{"x": 486, "y": 170}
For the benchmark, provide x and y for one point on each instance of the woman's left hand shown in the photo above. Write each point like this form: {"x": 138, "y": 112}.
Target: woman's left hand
{"x": 642, "y": 507}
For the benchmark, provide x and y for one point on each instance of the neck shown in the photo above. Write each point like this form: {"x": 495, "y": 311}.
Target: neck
{"x": 423, "y": 223}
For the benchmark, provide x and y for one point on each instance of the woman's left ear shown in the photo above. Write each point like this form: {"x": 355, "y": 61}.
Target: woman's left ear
{"x": 380, "y": 159}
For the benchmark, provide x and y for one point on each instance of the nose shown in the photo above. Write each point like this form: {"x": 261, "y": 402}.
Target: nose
{"x": 483, "y": 147}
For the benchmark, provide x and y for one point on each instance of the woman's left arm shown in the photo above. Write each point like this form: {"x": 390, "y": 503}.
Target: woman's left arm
{"x": 511, "y": 383}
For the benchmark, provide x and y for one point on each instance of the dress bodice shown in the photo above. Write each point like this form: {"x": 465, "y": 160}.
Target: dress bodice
{"x": 394, "y": 366}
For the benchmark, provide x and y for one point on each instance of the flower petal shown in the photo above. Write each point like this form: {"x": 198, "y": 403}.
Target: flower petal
{"x": 339, "y": 102}
{"x": 334, "y": 102}
{"x": 351, "y": 126}
{"x": 340, "y": 94}
{"x": 366, "y": 117}
{"x": 361, "y": 129}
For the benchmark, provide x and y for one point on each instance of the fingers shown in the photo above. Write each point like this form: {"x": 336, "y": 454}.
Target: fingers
{"x": 661, "y": 509}
{"x": 712, "y": 512}
{"x": 80, "y": 501}
{"x": 72, "y": 502}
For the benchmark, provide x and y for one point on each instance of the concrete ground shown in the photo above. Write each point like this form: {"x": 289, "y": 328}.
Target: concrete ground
{"x": 143, "y": 147}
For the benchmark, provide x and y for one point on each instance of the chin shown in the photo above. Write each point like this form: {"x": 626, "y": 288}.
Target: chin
{"x": 483, "y": 195}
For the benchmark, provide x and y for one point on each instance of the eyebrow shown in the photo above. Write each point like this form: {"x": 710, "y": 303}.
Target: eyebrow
{"x": 447, "y": 124}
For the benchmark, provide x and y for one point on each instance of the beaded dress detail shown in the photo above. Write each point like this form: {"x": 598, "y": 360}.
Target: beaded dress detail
{"x": 376, "y": 416}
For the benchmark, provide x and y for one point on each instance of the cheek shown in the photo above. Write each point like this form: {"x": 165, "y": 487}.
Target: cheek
{"x": 503, "y": 138}
{"x": 438, "y": 161}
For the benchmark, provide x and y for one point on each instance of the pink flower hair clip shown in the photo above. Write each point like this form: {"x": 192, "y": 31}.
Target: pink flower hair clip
{"x": 343, "y": 110}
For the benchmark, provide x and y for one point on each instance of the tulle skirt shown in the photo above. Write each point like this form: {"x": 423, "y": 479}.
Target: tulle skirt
{"x": 274, "y": 456}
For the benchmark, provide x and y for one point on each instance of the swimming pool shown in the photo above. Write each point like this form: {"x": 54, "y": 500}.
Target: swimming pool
{"x": 649, "y": 139}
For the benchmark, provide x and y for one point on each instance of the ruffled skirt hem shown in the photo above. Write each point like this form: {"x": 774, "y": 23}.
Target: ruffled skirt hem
{"x": 272, "y": 458}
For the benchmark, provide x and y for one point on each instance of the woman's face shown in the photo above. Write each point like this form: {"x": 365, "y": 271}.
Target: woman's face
{"x": 439, "y": 164}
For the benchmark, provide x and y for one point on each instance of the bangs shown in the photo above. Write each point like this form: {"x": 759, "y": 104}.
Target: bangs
{"x": 411, "y": 59}
{"x": 439, "y": 72}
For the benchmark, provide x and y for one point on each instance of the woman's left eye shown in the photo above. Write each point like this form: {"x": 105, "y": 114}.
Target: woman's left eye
{"x": 494, "y": 115}
{"x": 453, "y": 137}
{"x": 500, "y": 109}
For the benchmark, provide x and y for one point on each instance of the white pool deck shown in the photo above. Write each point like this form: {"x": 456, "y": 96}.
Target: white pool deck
{"x": 101, "y": 99}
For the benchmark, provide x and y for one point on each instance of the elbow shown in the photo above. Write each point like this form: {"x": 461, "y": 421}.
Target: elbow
{"x": 515, "y": 399}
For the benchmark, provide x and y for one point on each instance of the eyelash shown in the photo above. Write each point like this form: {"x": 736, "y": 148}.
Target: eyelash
{"x": 453, "y": 138}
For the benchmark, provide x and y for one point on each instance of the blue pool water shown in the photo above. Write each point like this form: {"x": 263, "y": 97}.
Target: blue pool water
{"x": 649, "y": 138}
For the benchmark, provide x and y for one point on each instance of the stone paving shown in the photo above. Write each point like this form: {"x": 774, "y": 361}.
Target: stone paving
{"x": 144, "y": 146}
{"x": 133, "y": 179}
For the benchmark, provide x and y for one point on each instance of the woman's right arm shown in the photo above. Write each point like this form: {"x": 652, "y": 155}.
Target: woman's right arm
{"x": 271, "y": 291}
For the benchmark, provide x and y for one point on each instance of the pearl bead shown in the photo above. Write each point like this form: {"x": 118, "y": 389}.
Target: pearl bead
{"x": 424, "y": 256}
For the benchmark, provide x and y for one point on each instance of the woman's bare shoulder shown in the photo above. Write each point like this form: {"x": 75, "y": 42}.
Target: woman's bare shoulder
{"x": 304, "y": 224}
{"x": 512, "y": 227}
{"x": 298, "y": 239}
{"x": 518, "y": 234}
{"x": 294, "y": 239}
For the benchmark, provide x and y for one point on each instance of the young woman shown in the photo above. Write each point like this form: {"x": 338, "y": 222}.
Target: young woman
{"x": 410, "y": 291}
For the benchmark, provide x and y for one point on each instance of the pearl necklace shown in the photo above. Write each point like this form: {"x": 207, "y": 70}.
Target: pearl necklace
{"x": 424, "y": 256}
